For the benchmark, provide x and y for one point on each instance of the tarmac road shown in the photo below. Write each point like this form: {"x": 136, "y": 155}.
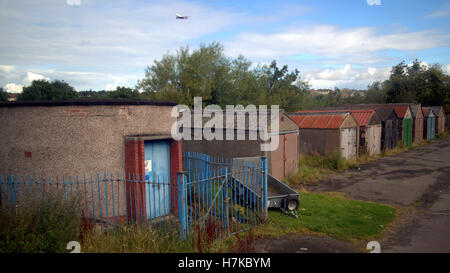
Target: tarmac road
{"x": 418, "y": 179}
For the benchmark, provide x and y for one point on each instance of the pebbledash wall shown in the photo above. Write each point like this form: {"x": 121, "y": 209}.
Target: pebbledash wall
{"x": 84, "y": 137}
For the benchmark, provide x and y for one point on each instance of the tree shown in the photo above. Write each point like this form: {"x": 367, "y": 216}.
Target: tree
{"x": 375, "y": 93}
{"x": 186, "y": 75}
{"x": 3, "y": 95}
{"x": 124, "y": 93}
{"x": 44, "y": 90}
{"x": 284, "y": 88}
{"x": 208, "y": 73}
{"x": 418, "y": 83}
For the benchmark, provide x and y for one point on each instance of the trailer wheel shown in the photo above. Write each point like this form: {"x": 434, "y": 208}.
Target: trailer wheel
{"x": 291, "y": 205}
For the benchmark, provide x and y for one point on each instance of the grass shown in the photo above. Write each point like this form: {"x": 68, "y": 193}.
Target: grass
{"x": 332, "y": 215}
{"x": 314, "y": 168}
{"x": 443, "y": 135}
{"x": 323, "y": 214}
{"x": 40, "y": 227}
{"x": 135, "y": 239}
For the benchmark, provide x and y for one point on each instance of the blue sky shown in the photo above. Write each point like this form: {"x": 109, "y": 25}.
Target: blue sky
{"x": 95, "y": 44}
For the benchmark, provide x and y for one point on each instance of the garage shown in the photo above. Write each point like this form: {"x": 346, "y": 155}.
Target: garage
{"x": 326, "y": 133}
{"x": 429, "y": 123}
{"x": 369, "y": 128}
{"x": 282, "y": 161}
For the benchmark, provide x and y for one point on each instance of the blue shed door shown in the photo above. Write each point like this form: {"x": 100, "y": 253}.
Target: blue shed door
{"x": 432, "y": 123}
{"x": 157, "y": 175}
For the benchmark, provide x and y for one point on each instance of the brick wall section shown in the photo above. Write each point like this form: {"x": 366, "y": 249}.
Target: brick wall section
{"x": 77, "y": 111}
{"x": 175, "y": 167}
{"x": 135, "y": 168}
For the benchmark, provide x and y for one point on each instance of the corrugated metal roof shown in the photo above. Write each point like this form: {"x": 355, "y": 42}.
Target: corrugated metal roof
{"x": 318, "y": 120}
{"x": 416, "y": 110}
{"x": 437, "y": 110}
{"x": 399, "y": 108}
{"x": 426, "y": 111}
{"x": 362, "y": 117}
{"x": 384, "y": 113}
{"x": 285, "y": 124}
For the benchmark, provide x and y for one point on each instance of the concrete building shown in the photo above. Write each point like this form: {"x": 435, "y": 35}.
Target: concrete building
{"x": 90, "y": 137}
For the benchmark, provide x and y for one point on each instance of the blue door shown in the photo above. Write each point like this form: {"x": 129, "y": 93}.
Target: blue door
{"x": 157, "y": 175}
{"x": 432, "y": 121}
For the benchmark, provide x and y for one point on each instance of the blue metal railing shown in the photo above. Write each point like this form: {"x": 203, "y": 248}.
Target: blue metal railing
{"x": 222, "y": 196}
{"x": 214, "y": 196}
{"x": 107, "y": 201}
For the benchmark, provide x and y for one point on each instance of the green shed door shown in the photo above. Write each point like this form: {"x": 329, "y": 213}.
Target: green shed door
{"x": 407, "y": 131}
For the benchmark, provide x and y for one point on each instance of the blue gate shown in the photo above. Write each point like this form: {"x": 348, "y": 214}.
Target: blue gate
{"x": 221, "y": 196}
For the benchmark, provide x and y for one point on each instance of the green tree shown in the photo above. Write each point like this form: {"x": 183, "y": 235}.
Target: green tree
{"x": 124, "y": 93}
{"x": 186, "y": 75}
{"x": 284, "y": 88}
{"x": 44, "y": 90}
{"x": 418, "y": 83}
{"x": 208, "y": 73}
{"x": 3, "y": 95}
{"x": 375, "y": 93}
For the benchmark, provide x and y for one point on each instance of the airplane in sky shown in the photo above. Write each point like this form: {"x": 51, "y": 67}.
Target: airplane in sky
{"x": 177, "y": 16}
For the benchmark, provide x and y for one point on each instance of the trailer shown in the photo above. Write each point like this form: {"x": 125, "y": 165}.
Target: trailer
{"x": 279, "y": 194}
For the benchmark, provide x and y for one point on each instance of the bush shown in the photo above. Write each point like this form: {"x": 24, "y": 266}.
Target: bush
{"x": 42, "y": 227}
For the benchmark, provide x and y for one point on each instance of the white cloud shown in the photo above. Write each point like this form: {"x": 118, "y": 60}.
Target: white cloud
{"x": 330, "y": 41}
{"x": 113, "y": 42}
{"x": 346, "y": 76}
{"x": 371, "y": 71}
{"x": 33, "y": 76}
{"x": 73, "y": 2}
{"x": 13, "y": 88}
{"x": 374, "y": 2}
{"x": 113, "y": 86}
{"x": 6, "y": 68}
{"x": 447, "y": 69}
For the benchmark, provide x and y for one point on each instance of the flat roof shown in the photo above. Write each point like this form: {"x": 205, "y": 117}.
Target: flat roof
{"x": 85, "y": 102}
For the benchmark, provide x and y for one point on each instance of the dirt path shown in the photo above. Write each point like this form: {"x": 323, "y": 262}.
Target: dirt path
{"x": 418, "y": 179}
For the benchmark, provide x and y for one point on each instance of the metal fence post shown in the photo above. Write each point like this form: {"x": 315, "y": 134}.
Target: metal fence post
{"x": 225, "y": 209}
{"x": 264, "y": 185}
{"x": 181, "y": 205}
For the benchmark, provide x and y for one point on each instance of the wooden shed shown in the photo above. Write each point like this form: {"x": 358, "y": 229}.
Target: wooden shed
{"x": 369, "y": 128}
{"x": 389, "y": 127}
{"x": 326, "y": 133}
{"x": 389, "y": 122}
{"x": 282, "y": 161}
{"x": 403, "y": 112}
{"x": 440, "y": 118}
{"x": 418, "y": 119}
{"x": 429, "y": 123}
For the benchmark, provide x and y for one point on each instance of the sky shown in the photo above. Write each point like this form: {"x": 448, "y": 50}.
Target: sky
{"x": 102, "y": 44}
